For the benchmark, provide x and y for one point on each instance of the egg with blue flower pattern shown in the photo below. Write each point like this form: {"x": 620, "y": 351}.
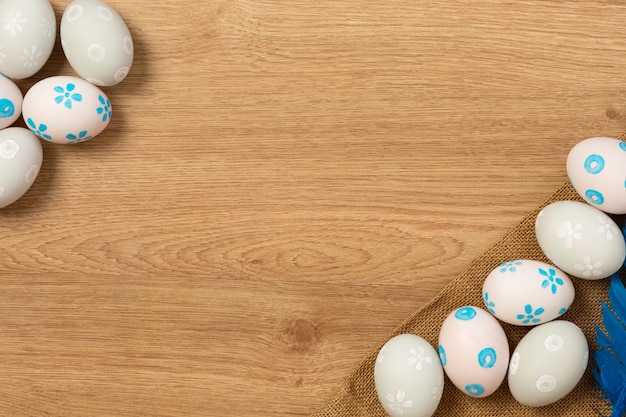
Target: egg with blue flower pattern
{"x": 474, "y": 351}
{"x": 66, "y": 110}
{"x": 596, "y": 168}
{"x": 526, "y": 292}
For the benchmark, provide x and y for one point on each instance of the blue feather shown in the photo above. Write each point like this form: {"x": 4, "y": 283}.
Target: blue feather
{"x": 609, "y": 369}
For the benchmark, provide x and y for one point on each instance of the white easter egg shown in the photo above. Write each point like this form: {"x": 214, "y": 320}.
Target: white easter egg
{"x": 10, "y": 102}
{"x": 66, "y": 110}
{"x": 21, "y": 156}
{"x": 548, "y": 363}
{"x": 597, "y": 170}
{"x": 96, "y": 42}
{"x": 27, "y": 34}
{"x": 474, "y": 351}
{"x": 580, "y": 239}
{"x": 408, "y": 377}
{"x": 526, "y": 292}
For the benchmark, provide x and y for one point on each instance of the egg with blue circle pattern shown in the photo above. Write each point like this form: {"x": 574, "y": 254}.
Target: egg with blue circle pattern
{"x": 596, "y": 168}
{"x": 474, "y": 351}
{"x": 66, "y": 110}
{"x": 10, "y": 102}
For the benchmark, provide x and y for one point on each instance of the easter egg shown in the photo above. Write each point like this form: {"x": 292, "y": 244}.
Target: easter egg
{"x": 526, "y": 292}
{"x": 27, "y": 35}
{"x": 548, "y": 363}
{"x": 408, "y": 377}
{"x": 474, "y": 351}
{"x": 596, "y": 168}
{"x": 21, "y": 156}
{"x": 96, "y": 42}
{"x": 580, "y": 239}
{"x": 66, "y": 110}
{"x": 10, "y": 102}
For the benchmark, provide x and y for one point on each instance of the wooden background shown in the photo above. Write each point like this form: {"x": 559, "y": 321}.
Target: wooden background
{"x": 281, "y": 184}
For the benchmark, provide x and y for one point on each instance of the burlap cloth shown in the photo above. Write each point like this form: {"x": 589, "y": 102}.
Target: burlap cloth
{"x": 357, "y": 395}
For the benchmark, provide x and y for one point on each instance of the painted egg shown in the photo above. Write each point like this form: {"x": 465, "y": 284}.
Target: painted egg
{"x": 10, "y": 102}
{"x": 21, "y": 155}
{"x": 597, "y": 170}
{"x": 96, "y": 42}
{"x": 474, "y": 351}
{"x": 408, "y": 377}
{"x": 580, "y": 239}
{"x": 27, "y": 34}
{"x": 66, "y": 110}
{"x": 526, "y": 292}
{"x": 548, "y": 363}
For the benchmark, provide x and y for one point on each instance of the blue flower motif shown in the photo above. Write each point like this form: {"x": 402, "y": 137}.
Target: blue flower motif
{"x": 105, "y": 109}
{"x": 442, "y": 355}
{"x": 66, "y": 95}
{"x": 510, "y": 266}
{"x": 38, "y": 130}
{"x": 489, "y": 304}
{"x": 81, "y": 137}
{"x": 622, "y": 145}
{"x": 529, "y": 315}
{"x": 551, "y": 280}
{"x": 562, "y": 311}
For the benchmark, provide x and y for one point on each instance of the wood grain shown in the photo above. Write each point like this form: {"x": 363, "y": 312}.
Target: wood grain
{"x": 281, "y": 184}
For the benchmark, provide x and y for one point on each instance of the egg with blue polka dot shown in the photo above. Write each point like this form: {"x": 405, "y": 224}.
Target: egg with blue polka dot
{"x": 596, "y": 168}
{"x": 474, "y": 351}
{"x": 10, "y": 102}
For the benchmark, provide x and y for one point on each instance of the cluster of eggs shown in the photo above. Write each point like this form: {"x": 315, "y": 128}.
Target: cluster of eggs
{"x": 580, "y": 240}
{"x": 60, "y": 109}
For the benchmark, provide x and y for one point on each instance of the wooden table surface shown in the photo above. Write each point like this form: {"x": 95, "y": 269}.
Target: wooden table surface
{"x": 281, "y": 184}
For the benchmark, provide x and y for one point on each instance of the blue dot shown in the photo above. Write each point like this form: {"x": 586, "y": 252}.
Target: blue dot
{"x": 487, "y": 358}
{"x": 442, "y": 355}
{"x": 465, "y": 313}
{"x": 562, "y": 311}
{"x": 7, "y": 108}
{"x": 594, "y": 164}
{"x": 594, "y": 196}
{"x": 622, "y": 145}
{"x": 475, "y": 390}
